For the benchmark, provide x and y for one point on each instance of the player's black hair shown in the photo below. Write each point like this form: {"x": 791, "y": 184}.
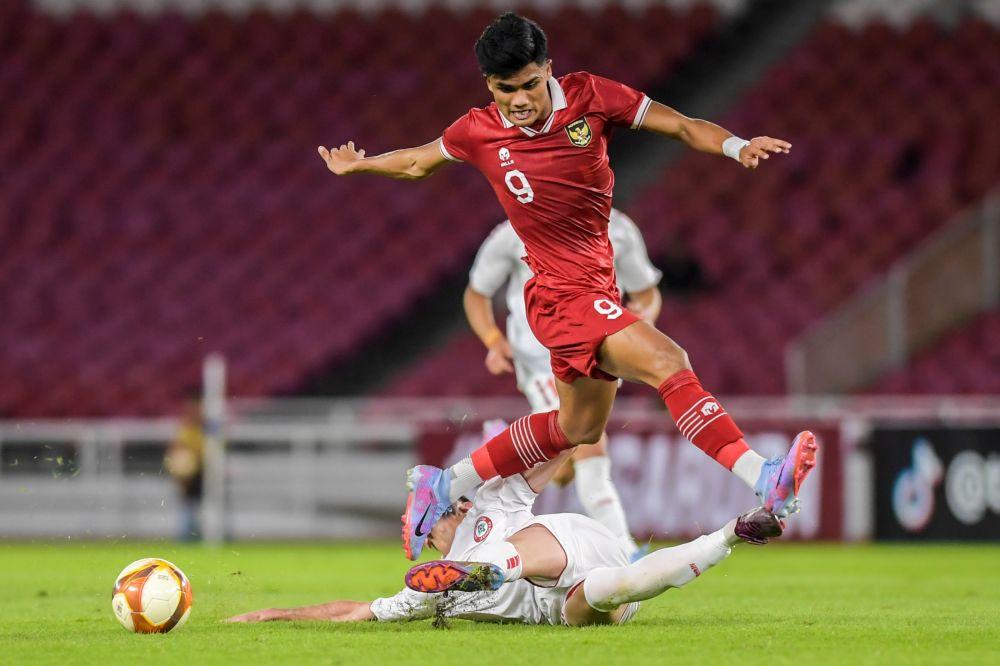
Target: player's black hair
{"x": 510, "y": 44}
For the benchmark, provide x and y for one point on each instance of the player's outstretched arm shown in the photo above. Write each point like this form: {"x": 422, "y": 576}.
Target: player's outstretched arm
{"x": 334, "y": 611}
{"x": 406, "y": 164}
{"x": 539, "y": 476}
{"x": 709, "y": 137}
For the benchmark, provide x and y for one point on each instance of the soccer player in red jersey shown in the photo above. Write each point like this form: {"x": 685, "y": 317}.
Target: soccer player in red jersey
{"x": 543, "y": 146}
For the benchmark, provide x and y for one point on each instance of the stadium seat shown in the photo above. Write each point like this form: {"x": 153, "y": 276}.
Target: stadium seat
{"x": 966, "y": 361}
{"x": 162, "y": 196}
{"x": 864, "y": 184}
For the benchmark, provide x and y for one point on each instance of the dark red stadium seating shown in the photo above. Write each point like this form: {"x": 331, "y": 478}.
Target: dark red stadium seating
{"x": 162, "y": 197}
{"x": 967, "y": 361}
{"x": 894, "y": 132}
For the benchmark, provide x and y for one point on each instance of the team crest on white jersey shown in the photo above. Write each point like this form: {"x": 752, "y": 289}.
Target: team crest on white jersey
{"x": 482, "y": 529}
{"x": 579, "y": 132}
{"x": 504, "y": 155}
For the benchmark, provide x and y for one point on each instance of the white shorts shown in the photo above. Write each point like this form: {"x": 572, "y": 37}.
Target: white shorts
{"x": 539, "y": 388}
{"x": 588, "y": 545}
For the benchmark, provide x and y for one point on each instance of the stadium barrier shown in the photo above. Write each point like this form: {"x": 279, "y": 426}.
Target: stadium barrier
{"x": 669, "y": 488}
{"x": 296, "y": 478}
{"x": 306, "y": 469}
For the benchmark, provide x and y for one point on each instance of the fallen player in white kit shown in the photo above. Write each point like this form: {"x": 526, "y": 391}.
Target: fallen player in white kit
{"x": 505, "y": 564}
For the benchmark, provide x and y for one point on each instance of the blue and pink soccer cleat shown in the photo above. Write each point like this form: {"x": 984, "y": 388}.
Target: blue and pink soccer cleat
{"x": 782, "y": 476}
{"x": 425, "y": 504}
{"x": 446, "y": 576}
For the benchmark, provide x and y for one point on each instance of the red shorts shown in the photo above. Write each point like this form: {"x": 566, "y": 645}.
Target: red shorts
{"x": 573, "y": 325}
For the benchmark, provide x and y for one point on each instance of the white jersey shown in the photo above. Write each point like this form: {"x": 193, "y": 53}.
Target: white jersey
{"x": 500, "y": 259}
{"x": 501, "y": 508}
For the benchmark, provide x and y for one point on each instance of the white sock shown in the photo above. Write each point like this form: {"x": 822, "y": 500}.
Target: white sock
{"x": 607, "y": 588}
{"x": 504, "y": 555}
{"x": 748, "y": 467}
{"x": 600, "y": 498}
{"x": 729, "y": 533}
{"x": 464, "y": 479}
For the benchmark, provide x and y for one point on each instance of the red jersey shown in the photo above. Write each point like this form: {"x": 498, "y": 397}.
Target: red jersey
{"x": 555, "y": 183}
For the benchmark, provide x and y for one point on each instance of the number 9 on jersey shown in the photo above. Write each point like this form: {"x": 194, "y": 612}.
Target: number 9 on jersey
{"x": 519, "y": 186}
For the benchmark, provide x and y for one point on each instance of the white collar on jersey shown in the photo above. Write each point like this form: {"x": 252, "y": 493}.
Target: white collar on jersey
{"x": 558, "y": 104}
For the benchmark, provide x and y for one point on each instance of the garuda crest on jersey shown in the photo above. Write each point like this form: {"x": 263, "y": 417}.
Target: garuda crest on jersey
{"x": 579, "y": 132}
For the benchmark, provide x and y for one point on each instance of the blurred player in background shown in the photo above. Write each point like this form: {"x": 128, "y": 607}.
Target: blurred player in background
{"x": 543, "y": 146}
{"x": 500, "y": 260}
{"x": 506, "y": 564}
{"x": 184, "y": 461}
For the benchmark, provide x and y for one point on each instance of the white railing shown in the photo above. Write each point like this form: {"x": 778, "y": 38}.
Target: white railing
{"x": 334, "y": 468}
{"x": 338, "y": 478}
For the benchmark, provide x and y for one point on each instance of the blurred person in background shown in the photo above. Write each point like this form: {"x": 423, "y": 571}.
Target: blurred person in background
{"x": 501, "y": 259}
{"x": 185, "y": 463}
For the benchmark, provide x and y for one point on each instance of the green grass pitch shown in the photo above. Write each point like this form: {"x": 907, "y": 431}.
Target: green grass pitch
{"x": 800, "y": 604}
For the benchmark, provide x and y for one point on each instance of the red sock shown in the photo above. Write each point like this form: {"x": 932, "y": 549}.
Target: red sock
{"x": 527, "y": 442}
{"x": 701, "y": 418}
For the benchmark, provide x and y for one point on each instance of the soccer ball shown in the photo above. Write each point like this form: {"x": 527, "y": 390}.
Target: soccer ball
{"x": 151, "y": 596}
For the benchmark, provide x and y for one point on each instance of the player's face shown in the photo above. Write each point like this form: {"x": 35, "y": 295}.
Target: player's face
{"x": 523, "y": 98}
{"x": 443, "y": 533}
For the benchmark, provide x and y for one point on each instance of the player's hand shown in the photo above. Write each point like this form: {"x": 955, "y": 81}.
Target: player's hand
{"x": 644, "y": 311}
{"x": 340, "y": 160}
{"x": 266, "y": 615}
{"x": 565, "y": 474}
{"x": 499, "y": 357}
{"x": 760, "y": 148}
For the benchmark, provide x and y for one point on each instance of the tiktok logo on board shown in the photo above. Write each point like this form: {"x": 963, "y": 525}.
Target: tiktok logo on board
{"x": 970, "y": 480}
{"x": 913, "y": 492}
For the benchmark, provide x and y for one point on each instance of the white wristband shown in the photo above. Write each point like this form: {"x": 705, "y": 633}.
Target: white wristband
{"x": 732, "y": 146}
